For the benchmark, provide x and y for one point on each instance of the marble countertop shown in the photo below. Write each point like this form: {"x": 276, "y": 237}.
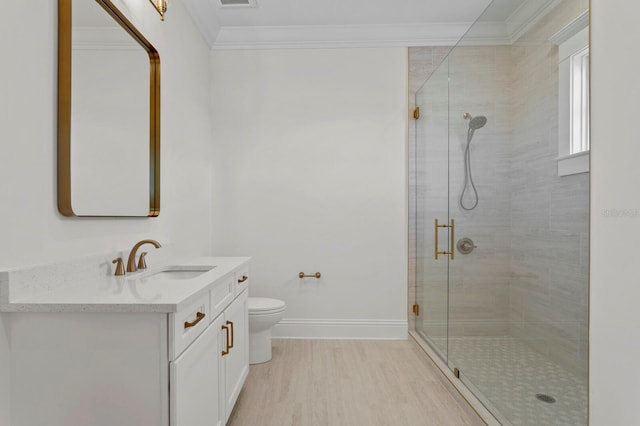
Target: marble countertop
{"x": 90, "y": 286}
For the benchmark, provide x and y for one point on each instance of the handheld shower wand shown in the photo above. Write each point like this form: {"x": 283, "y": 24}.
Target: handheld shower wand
{"x": 475, "y": 123}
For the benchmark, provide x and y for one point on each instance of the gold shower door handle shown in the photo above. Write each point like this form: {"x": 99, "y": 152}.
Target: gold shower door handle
{"x": 451, "y": 251}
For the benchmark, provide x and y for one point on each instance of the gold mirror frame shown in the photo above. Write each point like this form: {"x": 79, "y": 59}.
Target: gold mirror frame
{"x": 64, "y": 106}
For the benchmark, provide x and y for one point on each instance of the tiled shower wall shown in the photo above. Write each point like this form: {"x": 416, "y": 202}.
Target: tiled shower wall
{"x": 528, "y": 276}
{"x": 549, "y": 214}
{"x": 479, "y": 281}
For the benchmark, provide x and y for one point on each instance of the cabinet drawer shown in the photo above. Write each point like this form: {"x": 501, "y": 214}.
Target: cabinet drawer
{"x": 242, "y": 280}
{"x": 221, "y": 295}
{"x": 187, "y": 324}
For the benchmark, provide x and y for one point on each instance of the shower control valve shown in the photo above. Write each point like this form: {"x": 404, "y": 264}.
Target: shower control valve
{"x": 465, "y": 245}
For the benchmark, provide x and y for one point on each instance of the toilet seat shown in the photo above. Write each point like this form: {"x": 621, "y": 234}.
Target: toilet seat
{"x": 265, "y": 306}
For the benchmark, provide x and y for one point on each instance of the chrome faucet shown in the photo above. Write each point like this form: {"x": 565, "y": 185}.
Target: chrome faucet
{"x": 131, "y": 263}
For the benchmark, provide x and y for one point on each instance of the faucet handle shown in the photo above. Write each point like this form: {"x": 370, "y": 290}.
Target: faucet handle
{"x": 119, "y": 266}
{"x": 142, "y": 263}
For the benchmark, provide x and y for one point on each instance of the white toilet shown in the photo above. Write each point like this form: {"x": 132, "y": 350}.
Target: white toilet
{"x": 263, "y": 315}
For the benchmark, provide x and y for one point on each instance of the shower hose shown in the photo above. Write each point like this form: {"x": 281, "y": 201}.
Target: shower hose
{"x": 468, "y": 177}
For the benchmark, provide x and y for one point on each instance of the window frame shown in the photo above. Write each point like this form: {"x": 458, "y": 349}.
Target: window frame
{"x": 573, "y": 96}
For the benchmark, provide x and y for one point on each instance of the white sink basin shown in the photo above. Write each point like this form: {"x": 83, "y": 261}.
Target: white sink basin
{"x": 176, "y": 272}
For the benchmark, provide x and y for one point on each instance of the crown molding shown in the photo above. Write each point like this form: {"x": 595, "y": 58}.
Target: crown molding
{"x": 526, "y": 16}
{"x": 521, "y": 20}
{"x": 204, "y": 14}
{"x": 338, "y": 36}
{"x": 486, "y": 34}
{"x": 571, "y": 29}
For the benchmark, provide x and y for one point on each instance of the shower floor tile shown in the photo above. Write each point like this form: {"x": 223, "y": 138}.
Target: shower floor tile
{"x": 509, "y": 374}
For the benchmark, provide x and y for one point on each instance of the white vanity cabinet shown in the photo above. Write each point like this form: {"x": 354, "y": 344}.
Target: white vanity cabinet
{"x": 134, "y": 366}
{"x": 194, "y": 379}
{"x": 213, "y": 368}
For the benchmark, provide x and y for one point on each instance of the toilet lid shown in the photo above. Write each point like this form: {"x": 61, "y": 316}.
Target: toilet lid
{"x": 263, "y": 304}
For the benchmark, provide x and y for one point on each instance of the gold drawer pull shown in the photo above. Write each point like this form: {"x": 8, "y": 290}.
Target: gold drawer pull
{"x": 199, "y": 317}
{"x": 243, "y": 279}
{"x": 226, "y": 351}
{"x": 232, "y": 334}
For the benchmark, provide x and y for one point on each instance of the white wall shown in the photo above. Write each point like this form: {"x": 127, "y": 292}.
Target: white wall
{"x": 314, "y": 146}
{"x": 31, "y": 229}
{"x": 615, "y": 213}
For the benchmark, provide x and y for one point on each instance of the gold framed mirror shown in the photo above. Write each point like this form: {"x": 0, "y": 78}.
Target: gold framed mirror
{"x": 108, "y": 114}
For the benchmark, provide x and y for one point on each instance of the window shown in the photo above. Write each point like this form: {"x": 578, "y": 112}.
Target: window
{"x": 573, "y": 97}
{"x": 579, "y": 101}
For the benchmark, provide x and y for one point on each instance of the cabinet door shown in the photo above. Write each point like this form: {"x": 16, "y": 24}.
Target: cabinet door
{"x": 194, "y": 381}
{"x": 236, "y": 363}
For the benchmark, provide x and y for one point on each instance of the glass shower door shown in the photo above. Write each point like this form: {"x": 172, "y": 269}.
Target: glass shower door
{"x": 432, "y": 204}
{"x": 480, "y": 184}
{"x": 508, "y": 312}
{"x": 518, "y": 287}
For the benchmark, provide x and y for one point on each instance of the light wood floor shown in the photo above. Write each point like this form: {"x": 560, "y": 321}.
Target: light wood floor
{"x": 349, "y": 382}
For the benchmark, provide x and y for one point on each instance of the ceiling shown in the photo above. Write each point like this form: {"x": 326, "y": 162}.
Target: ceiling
{"x": 346, "y": 23}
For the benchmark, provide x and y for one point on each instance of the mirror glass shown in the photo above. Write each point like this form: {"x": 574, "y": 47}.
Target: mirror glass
{"x": 109, "y": 107}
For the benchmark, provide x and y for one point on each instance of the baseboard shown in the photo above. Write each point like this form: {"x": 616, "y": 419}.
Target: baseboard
{"x": 298, "y": 328}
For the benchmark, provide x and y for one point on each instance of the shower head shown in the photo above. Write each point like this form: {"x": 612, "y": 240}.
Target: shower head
{"x": 477, "y": 122}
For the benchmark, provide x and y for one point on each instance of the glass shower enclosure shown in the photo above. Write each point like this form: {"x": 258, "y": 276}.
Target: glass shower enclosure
{"x": 501, "y": 236}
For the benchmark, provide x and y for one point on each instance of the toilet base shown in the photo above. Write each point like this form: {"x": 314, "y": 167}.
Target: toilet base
{"x": 260, "y": 347}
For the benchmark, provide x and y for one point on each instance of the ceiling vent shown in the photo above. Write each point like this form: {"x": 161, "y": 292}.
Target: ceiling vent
{"x": 239, "y": 3}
